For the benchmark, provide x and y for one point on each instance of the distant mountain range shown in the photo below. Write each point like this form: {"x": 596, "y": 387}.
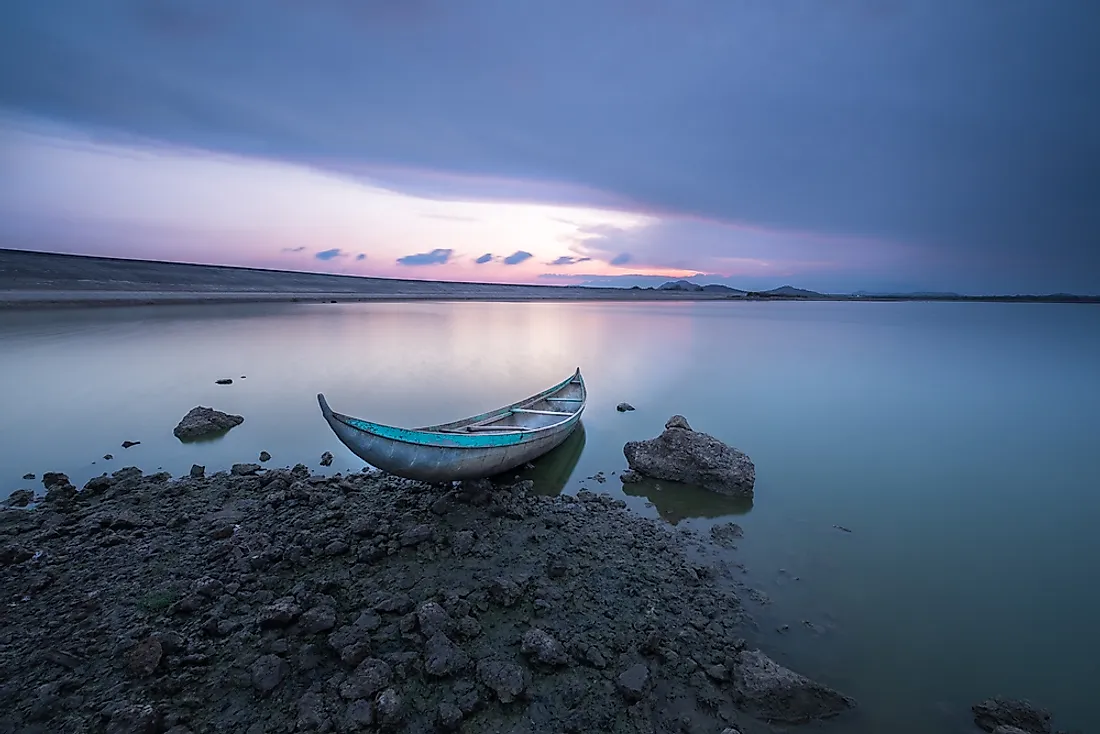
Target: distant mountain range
{"x": 789, "y": 292}
{"x": 784, "y": 291}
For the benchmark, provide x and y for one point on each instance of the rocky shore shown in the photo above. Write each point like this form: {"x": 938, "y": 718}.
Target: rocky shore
{"x": 276, "y": 601}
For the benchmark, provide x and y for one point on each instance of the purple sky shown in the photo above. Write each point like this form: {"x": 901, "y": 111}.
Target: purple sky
{"x": 841, "y": 146}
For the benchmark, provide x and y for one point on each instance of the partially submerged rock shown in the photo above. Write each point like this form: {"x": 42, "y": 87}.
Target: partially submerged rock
{"x": 224, "y": 381}
{"x": 1007, "y": 712}
{"x": 766, "y": 690}
{"x": 681, "y": 454}
{"x": 624, "y": 407}
{"x": 20, "y": 498}
{"x": 202, "y": 421}
{"x": 326, "y": 458}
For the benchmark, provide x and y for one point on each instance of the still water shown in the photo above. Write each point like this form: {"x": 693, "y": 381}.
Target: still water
{"x": 960, "y": 444}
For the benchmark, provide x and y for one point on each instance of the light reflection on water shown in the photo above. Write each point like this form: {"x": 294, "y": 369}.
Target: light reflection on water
{"x": 956, "y": 441}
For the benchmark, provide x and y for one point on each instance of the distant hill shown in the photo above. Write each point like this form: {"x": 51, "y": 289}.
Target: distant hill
{"x": 679, "y": 285}
{"x": 789, "y": 291}
{"x": 719, "y": 288}
{"x": 687, "y": 285}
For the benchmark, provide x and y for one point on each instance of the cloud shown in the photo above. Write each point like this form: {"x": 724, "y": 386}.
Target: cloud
{"x": 834, "y": 119}
{"x": 484, "y": 258}
{"x": 330, "y": 254}
{"x": 294, "y": 249}
{"x": 435, "y": 257}
{"x": 567, "y": 260}
{"x": 517, "y": 257}
{"x": 621, "y": 259}
{"x": 361, "y": 256}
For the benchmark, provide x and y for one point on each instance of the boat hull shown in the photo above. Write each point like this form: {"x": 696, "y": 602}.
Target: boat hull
{"x": 433, "y": 455}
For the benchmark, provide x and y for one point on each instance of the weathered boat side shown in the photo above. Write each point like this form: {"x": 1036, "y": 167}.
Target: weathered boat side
{"x": 478, "y": 446}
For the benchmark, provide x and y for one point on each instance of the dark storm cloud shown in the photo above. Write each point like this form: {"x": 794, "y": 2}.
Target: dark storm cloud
{"x": 435, "y": 257}
{"x": 488, "y": 256}
{"x": 517, "y": 257}
{"x": 330, "y": 254}
{"x": 968, "y": 129}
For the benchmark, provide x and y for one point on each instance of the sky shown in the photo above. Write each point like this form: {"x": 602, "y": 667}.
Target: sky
{"x": 874, "y": 145}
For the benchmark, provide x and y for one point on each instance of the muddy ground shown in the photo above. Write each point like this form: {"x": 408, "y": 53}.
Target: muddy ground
{"x": 276, "y": 601}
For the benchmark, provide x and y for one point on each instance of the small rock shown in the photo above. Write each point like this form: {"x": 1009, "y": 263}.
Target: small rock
{"x": 20, "y": 498}
{"x": 442, "y": 657}
{"x": 311, "y": 711}
{"x": 396, "y": 604}
{"x": 28, "y": 476}
{"x": 433, "y": 619}
{"x": 369, "y": 677}
{"x": 391, "y": 709}
{"x": 264, "y": 456}
{"x": 13, "y": 554}
{"x": 416, "y": 535}
{"x": 359, "y": 714}
{"x": 208, "y": 587}
{"x": 145, "y": 658}
{"x": 202, "y": 421}
{"x": 198, "y": 471}
{"x": 725, "y": 533}
{"x": 326, "y": 458}
{"x": 633, "y": 681}
{"x": 507, "y": 680}
{"x": 842, "y": 528}
{"x": 765, "y": 689}
{"x": 317, "y": 619}
{"x": 130, "y": 719}
{"x": 680, "y": 454}
{"x": 108, "y": 457}
{"x": 244, "y": 470}
{"x": 997, "y": 711}
{"x": 224, "y": 381}
{"x": 543, "y": 648}
{"x": 128, "y": 444}
{"x": 624, "y": 407}
{"x": 463, "y": 542}
{"x": 268, "y": 672}
{"x": 279, "y": 614}
{"x": 450, "y": 716}
{"x": 630, "y": 477}
{"x": 53, "y": 479}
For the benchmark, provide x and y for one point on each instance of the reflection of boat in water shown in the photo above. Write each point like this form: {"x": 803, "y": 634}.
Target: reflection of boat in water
{"x": 676, "y": 502}
{"x": 551, "y": 472}
{"x": 479, "y": 446}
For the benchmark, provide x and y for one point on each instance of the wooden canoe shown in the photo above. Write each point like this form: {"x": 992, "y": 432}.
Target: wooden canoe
{"x": 480, "y": 446}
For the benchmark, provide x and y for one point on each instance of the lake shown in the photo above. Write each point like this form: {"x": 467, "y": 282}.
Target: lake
{"x": 956, "y": 441}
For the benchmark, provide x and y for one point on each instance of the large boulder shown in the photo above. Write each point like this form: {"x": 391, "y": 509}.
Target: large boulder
{"x": 201, "y": 421}
{"x": 997, "y": 712}
{"x": 680, "y": 454}
{"x": 765, "y": 689}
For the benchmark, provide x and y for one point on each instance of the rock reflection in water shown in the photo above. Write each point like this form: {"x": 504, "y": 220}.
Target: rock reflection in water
{"x": 676, "y": 502}
{"x": 551, "y": 471}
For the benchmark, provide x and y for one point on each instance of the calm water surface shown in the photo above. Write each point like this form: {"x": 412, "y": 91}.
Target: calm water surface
{"x": 958, "y": 442}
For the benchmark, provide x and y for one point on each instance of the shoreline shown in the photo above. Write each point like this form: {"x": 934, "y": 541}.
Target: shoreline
{"x": 37, "y": 280}
{"x": 27, "y": 300}
{"x": 277, "y": 597}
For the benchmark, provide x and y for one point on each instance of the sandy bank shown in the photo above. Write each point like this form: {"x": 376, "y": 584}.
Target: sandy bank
{"x": 40, "y": 280}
